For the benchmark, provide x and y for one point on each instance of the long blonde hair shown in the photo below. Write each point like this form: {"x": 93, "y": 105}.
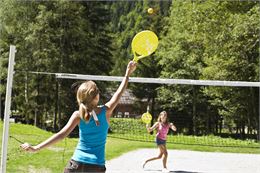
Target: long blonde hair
{"x": 160, "y": 117}
{"x": 86, "y": 92}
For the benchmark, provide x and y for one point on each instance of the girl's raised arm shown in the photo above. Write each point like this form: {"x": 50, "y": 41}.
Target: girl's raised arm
{"x": 116, "y": 97}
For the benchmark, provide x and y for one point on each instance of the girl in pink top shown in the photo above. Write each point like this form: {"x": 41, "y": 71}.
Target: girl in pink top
{"x": 162, "y": 126}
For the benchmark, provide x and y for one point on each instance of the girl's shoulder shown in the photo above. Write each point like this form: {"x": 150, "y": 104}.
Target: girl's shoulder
{"x": 101, "y": 108}
{"x": 165, "y": 124}
{"x": 157, "y": 123}
{"x": 75, "y": 116}
{"x": 98, "y": 109}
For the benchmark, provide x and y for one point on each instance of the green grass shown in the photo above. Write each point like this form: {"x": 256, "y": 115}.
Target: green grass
{"x": 55, "y": 158}
{"x": 49, "y": 160}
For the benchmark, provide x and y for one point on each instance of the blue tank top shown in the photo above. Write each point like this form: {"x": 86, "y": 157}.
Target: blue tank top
{"x": 92, "y": 140}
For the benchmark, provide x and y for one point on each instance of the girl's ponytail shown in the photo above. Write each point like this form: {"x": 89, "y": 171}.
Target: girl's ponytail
{"x": 86, "y": 92}
{"x": 83, "y": 113}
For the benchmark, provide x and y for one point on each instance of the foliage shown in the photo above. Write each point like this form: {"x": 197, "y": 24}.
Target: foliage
{"x": 54, "y": 37}
{"x": 208, "y": 40}
{"x": 212, "y": 40}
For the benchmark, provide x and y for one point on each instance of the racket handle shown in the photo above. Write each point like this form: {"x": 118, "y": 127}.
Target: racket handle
{"x": 136, "y": 59}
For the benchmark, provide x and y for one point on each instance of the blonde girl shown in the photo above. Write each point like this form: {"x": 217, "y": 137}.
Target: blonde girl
{"x": 93, "y": 122}
{"x": 162, "y": 126}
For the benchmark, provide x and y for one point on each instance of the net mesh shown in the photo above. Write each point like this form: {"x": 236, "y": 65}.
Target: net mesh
{"x": 56, "y": 100}
{"x": 207, "y": 128}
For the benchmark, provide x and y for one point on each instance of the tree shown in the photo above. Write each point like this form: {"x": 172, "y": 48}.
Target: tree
{"x": 55, "y": 36}
{"x": 215, "y": 41}
{"x": 236, "y": 59}
{"x": 128, "y": 21}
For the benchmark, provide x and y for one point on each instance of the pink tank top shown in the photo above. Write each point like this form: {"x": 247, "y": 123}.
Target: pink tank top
{"x": 162, "y": 131}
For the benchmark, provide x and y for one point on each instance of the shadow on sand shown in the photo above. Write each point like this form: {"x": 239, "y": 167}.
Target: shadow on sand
{"x": 158, "y": 170}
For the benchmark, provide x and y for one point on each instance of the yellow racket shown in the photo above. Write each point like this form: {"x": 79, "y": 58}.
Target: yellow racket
{"x": 144, "y": 44}
{"x": 146, "y": 118}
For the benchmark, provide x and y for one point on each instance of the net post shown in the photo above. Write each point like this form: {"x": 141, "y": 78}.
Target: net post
{"x": 7, "y": 111}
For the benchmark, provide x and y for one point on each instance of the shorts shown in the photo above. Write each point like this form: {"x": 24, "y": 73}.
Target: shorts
{"x": 160, "y": 141}
{"x": 74, "y": 166}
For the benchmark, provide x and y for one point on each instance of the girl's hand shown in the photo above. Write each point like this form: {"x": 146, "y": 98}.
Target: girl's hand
{"x": 130, "y": 68}
{"x": 173, "y": 127}
{"x": 29, "y": 148}
{"x": 148, "y": 128}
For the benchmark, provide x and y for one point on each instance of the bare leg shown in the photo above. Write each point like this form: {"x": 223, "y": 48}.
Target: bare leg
{"x": 165, "y": 156}
{"x": 155, "y": 158}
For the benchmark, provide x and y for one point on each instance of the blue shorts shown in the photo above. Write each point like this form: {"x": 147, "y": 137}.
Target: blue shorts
{"x": 160, "y": 141}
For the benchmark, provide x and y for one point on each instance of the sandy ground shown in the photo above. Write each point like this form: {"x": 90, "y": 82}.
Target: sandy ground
{"x": 182, "y": 161}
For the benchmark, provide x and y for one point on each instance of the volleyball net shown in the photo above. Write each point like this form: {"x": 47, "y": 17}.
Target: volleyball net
{"x": 201, "y": 117}
{"x": 199, "y": 120}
